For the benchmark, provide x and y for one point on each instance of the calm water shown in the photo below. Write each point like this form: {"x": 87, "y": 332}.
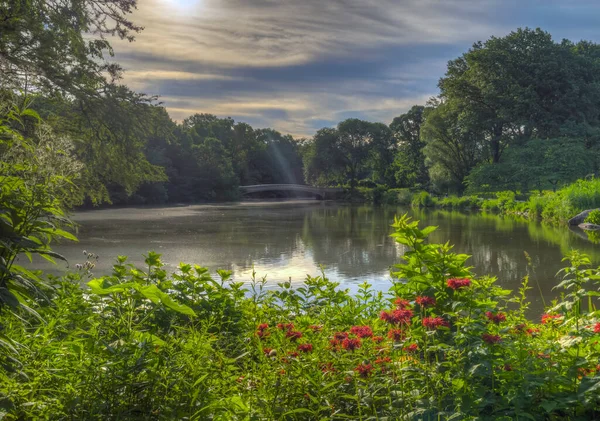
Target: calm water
{"x": 292, "y": 239}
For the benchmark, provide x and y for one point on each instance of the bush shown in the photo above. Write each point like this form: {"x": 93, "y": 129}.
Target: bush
{"x": 401, "y": 197}
{"x": 422, "y": 200}
{"x": 593, "y": 217}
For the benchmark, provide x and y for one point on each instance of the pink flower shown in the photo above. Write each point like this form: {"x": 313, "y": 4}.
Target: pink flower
{"x": 457, "y": 283}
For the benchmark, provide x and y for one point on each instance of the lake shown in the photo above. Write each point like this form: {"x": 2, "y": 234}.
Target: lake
{"x": 291, "y": 239}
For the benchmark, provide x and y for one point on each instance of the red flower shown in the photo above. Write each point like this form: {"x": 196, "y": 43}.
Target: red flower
{"x": 434, "y": 322}
{"x": 362, "y": 331}
{"x": 491, "y": 339}
{"x": 316, "y": 328}
{"x": 597, "y": 328}
{"x": 532, "y": 331}
{"x": 293, "y": 334}
{"x": 396, "y": 335}
{"x": 305, "y": 347}
{"x": 263, "y": 326}
{"x": 496, "y": 318}
{"x": 411, "y": 348}
{"x": 456, "y": 283}
{"x": 267, "y": 351}
{"x": 293, "y": 354}
{"x": 377, "y": 339}
{"x": 285, "y": 326}
{"x": 384, "y": 360}
{"x": 396, "y": 316}
{"x": 425, "y": 301}
{"x": 340, "y": 336}
{"x": 401, "y": 304}
{"x": 364, "y": 370}
{"x": 351, "y": 344}
{"x": 550, "y": 318}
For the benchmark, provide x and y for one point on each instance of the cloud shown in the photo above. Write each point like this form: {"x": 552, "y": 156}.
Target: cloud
{"x": 296, "y": 65}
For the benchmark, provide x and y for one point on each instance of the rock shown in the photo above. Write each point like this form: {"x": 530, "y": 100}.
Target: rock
{"x": 579, "y": 219}
{"x": 589, "y": 227}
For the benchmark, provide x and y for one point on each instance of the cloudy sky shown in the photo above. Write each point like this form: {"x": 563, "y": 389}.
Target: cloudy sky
{"x": 299, "y": 65}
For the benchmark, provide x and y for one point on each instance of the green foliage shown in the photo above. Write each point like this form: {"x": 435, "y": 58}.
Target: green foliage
{"x": 143, "y": 344}
{"x": 37, "y": 181}
{"x": 401, "y": 197}
{"x": 422, "y": 200}
{"x": 593, "y": 217}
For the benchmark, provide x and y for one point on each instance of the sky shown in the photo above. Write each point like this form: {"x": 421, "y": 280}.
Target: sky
{"x": 300, "y": 65}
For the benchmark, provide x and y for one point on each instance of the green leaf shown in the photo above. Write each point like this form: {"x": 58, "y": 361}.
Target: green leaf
{"x": 97, "y": 287}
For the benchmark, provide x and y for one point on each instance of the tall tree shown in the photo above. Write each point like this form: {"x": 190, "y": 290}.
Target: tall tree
{"x": 409, "y": 163}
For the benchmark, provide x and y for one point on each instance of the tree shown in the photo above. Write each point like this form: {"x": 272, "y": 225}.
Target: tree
{"x": 409, "y": 161}
{"x": 451, "y": 149}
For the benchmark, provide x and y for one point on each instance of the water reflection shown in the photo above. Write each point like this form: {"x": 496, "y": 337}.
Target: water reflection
{"x": 284, "y": 240}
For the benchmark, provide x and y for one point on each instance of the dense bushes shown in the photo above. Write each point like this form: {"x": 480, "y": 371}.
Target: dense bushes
{"x": 141, "y": 344}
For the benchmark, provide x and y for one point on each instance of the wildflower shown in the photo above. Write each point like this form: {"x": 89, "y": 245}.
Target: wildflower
{"x": 364, "y": 370}
{"x": 281, "y": 372}
{"x": 384, "y": 360}
{"x": 362, "y": 331}
{"x": 434, "y": 322}
{"x": 262, "y": 334}
{"x": 267, "y": 351}
{"x": 396, "y": 335}
{"x": 316, "y": 328}
{"x": 396, "y": 316}
{"x": 425, "y": 301}
{"x": 340, "y": 336}
{"x": 401, "y": 304}
{"x": 293, "y": 354}
{"x": 597, "y": 328}
{"x": 495, "y": 317}
{"x": 293, "y": 334}
{"x": 285, "y": 326}
{"x": 532, "y": 331}
{"x": 263, "y": 326}
{"x": 351, "y": 344}
{"x": 457, "y": 283}
{"x": 491, "y": 339}
{"x": 411, "y": 348}
{"x": 305, "y": 347}
{"x": 377, "y": 339}
{"x": 550, "y": 318}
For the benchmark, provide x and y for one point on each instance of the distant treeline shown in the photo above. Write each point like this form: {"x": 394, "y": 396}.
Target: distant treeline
{"x": 519, "y": 113}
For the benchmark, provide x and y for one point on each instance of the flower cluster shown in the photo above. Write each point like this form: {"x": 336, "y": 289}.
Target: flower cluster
{"x": 399, "y": 316}
{"x": 411, "y": 348}
{"x": 293, "y": 334}
{"x": 285, "y": 326}
{"x": 362, "y": 331}
{"x": 364, "y": 370}
{"x": 401, "y": 303}
{"x": 425, "y": 301}
{"x": 457, "y": 283}
{"x": 350, "y": 344}
{"x": 432, "y": 323}
{"x": 495, "y": 317}
{"x": 305, "y": 347}
{"x": 396, "y": 335}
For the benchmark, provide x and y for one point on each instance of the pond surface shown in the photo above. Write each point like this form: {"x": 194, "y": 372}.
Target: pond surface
{"x": 284, "y": 240}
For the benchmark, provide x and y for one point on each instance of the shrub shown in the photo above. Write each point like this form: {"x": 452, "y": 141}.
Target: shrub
{"x": 593, "y": 217}
{"x": 401, "y": 197}
{"x": 422, "y": 200}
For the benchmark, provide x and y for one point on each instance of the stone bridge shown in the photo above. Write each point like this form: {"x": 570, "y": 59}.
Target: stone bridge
{"x": 319, "y": 192}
